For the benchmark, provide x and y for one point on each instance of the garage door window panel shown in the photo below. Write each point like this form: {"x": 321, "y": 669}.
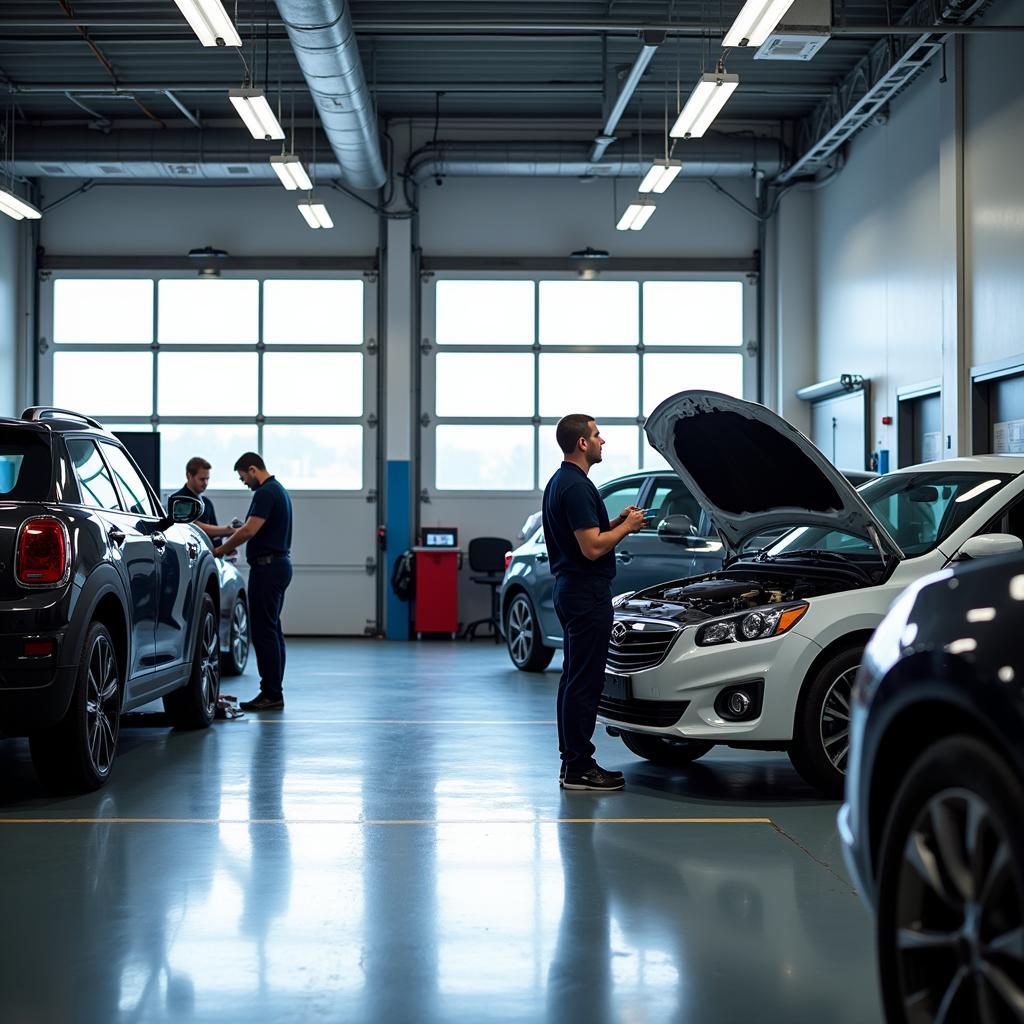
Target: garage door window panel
{"x": 665, "y": 375}
{"x": 206, "y": 383}
{"x": 484, "y": 384}
{"x": 484, "y": 312}
{"x": 220, "y": 444}
{"x": 313, "y": 312}
{"x": 313, "y": 457}
{"x": 120, "y": 384}
{"x": 693, "y": 313}
{"x": 480, "y": 457}
{"x": 603, "y": 385}
{"x": 306, "y": 384}
{"x": 589, "y": 313}
{"x": 215, "y": 312}
{"x": 102, "y": 311}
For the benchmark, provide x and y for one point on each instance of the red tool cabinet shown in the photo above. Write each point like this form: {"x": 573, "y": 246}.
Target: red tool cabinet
{"x": 437, "y": 591}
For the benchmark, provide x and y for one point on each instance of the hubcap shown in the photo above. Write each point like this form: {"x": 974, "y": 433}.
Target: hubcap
{"x": 960, "y": 916}
{"x": 209, "y": 663}
{"x": 520, "y": 631}
{"x": 240, "y": 634}
{"x": 102, "y": 705}
{"x": 835, "y": 720}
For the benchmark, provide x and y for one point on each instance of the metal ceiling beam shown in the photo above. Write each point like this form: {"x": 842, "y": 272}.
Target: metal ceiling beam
{"x": 617, "y": 105}
{"x": 887, "y": 69}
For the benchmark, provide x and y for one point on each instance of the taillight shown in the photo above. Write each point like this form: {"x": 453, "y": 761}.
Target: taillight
{"x": 43, "y": 553}
{"x": 508, "y": 560}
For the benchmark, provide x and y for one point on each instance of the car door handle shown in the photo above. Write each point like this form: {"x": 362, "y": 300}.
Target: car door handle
{"x": 541, "y": 557}
{"x": 159, "y": 541}
{"x": 116, "y": 535}
{"x": 624, "y": 557}
{"x": 193, "y": 550}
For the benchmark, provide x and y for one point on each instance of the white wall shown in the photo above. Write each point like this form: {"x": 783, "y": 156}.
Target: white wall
{"x": 161, "y": 220}
{"x": 10, "y": 276}
{"x": 890, "y": 246}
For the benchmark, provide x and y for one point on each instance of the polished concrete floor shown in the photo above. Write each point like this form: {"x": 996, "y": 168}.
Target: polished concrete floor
{"x": 394, "y": 848}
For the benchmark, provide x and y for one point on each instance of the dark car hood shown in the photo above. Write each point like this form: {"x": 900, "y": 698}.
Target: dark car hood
{"x": 753, "y": 472}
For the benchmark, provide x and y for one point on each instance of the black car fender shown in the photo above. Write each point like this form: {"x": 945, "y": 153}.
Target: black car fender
{"x": 206, "y": 571}
{"x": 103, "y": 582}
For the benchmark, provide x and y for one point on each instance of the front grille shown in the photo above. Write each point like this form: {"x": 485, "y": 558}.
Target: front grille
{"x": 643, "y": 712}
{"x": 637, "y": 649}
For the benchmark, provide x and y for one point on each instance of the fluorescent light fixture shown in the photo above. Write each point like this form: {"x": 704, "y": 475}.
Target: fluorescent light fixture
{"x": 709, "y": 95}
{"x": 17, "y": 208}
{"x": 756, "y": 22}
{"x": 636, "y": 216}
{"x": 254, "y": 110}
{"x": 315, "y": 214}
{"x": 210, "y": 22}
{"x": 660, "y": 176}
{"x": 291, "y": 172}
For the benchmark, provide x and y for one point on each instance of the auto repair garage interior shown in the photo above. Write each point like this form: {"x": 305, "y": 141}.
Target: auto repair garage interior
{"x": 388, "y": 245}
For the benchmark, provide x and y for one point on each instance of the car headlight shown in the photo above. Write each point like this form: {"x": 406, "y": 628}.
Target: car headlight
{"x": 757, "y": 624}
{"x": 620, "y": 599}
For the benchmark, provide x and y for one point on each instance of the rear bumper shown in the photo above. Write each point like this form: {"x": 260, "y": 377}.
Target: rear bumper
{"x": 34, "y": 692}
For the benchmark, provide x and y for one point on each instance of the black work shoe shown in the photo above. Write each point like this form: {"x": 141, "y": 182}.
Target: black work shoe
{"x": 261, "y": 702}
{"x": 595, "y": 779}
{"x": 607, "y": 771}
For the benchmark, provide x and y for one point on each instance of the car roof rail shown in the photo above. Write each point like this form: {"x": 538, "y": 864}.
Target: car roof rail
{"x": 37, "y": 413}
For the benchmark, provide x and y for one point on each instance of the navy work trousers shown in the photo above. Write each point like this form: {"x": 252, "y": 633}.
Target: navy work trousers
{"x": 584, "y": 608}
{"x": 267, "y": 584}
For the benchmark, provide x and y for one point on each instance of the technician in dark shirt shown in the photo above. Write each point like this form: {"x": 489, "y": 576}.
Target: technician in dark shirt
{"x": 267, "y": 534}
{"x": 581, "y": 547}
{"x": 197, "y": 479}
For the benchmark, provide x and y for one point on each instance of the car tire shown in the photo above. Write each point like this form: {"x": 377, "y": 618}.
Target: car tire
{"x": 523, "y": 636}
{"x": 235, "y": 658}
{"x": 194, "y": 705}
{"x": 951, "y": 886}
{"x": 667, "y": 751}
{"x": 821, "y": 733}
{"x": 77, "y": 754}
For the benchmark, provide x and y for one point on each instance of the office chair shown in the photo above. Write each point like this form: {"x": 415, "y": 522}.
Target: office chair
{"x": 487, "y": 560}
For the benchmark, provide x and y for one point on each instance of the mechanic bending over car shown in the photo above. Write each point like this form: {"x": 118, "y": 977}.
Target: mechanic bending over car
{"x": 267, "y": 534}
{"x": 197, "y": 479}
{"x": 581, "y": 545}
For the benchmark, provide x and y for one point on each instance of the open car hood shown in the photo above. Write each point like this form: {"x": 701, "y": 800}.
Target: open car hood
{"x": 753, "y": 472}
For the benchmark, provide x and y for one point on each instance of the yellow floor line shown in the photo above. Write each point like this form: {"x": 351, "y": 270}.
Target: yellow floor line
{"x": 385, "y": 821}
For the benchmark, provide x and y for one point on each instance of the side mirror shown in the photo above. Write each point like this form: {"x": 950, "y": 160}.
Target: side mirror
{"x": 183, "y": 509}
{"x": 678, "y": 529}
{"x": 986, "y": 545}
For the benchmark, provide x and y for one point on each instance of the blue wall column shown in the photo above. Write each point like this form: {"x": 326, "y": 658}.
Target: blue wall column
{"x": 399, "y": 484}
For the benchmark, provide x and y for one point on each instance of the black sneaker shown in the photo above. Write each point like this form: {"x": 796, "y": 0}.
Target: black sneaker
{"x": 595, "y": 779}
{"x": 261, "y": 702}
{"x": 607, "y": 771}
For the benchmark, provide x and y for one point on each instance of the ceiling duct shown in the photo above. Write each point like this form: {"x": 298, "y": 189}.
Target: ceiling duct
{"x": 715, "y": 156}
{"x": 325, "y": 46}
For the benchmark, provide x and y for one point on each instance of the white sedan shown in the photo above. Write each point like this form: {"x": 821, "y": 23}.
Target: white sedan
{"x": 762, "y": 654}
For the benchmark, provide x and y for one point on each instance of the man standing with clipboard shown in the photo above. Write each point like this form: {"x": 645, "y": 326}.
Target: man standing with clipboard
{"x": 581, "y": 545}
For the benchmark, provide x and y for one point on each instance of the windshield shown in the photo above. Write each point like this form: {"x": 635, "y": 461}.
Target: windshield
{"x": 920, "y": 510}
{"x": 25, "y": 465}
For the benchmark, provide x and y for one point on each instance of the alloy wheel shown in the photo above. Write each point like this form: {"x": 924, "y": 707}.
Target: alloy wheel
{"x": 835, "y": 719}
{"x": 959, "y": 916}
{"x": 209, "y": 663}
{"x": 102, "y": 717}
{"x": 240, "y": 633}
{"x": 520, "y": 630}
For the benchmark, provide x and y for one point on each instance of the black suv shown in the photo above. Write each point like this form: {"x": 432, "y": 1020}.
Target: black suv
{"x": 106, "y": 603}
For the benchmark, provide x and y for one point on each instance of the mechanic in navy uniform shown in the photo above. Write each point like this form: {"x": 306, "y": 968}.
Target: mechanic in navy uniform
{"x": 581, "y": 546}
{"x": 267, "y": 534}
{"x": 197, "y": 479}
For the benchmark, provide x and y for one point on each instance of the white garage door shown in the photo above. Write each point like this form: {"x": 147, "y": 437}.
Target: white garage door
{"x": 280, "y": 364}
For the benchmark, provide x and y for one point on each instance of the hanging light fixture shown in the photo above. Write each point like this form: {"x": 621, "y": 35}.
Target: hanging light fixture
{"x": 709, "y": 95}
{"x": 756, "y": 22}
{"x": 254, "y": 110}
{"x": 314, "y": 213}
{"x": 664, "y": 171}
{"x": 11, "y": 203}
{"x": 637, "y": 215}
{"x": 287, "y": 166}
{"x": 16, "y": 207}
{"x": 210, "y": 22}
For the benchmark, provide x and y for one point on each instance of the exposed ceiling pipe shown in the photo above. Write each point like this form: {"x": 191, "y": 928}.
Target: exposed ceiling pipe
{"x": 652, "y": 40}
{"x": 718, "y": 156}
{"x": 325, "y": 46}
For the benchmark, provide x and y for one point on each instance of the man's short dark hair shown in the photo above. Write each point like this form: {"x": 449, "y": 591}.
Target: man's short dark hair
{"x": 195, "y": 464}
{"x": 248, "y": 460}
{"x": 570, "y": 429}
